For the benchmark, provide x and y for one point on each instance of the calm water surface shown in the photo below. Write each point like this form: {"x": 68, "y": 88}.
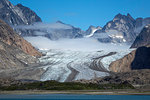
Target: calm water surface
{"x": 74, "y": 97}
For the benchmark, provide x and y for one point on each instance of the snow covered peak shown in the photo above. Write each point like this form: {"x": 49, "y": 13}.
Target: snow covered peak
{"x": 99, "y": 28}
{"x": 147, "y": 27}
{"x": 91, "y": 30}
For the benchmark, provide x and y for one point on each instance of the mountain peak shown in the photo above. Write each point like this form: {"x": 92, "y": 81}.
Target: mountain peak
{"x": 19, "y": 5}
{"x": 129, "y": 16}
{"x": 118, "y": 15}
{"x": 91, "y": 26}
{"x": 123, "y": 16}
{"x": 98, "y": 27}
{"x": 60, "y": 22}
{"x": 143, "y": 38}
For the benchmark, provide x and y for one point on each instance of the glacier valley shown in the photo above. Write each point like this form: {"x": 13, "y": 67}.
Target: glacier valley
{"x": 75, "y": 59}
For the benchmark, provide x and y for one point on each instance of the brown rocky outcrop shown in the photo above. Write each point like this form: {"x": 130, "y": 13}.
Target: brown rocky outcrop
{"x": 13, "y": 58}
{"x": 123, "y": 64}
{"x": 7, "y": 35}
{"x": 137, "y": 59}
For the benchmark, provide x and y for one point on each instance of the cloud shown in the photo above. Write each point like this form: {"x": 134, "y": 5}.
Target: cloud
{"x": 45, "y": 26}
{"x": 82, "y": 44}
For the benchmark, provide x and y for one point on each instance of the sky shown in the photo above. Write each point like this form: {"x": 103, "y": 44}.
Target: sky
{"x": 83, "y": 13}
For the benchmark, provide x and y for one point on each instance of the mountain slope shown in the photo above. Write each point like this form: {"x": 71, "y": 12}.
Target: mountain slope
{"x": 123, "y": 28}
{"x": 17, "y": 15}
{"x": 28, "y": 14}
{"x": 13, "y": 58}
{"x": 7, "y": 35}
{"x": 143, "y": 39}
{"x": 91, "y": 30}
{"x": 137, "y": 59}
{"x": 53, "y": 31}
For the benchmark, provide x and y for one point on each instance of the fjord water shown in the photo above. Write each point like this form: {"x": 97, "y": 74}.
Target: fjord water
{"x": 74, "y": 97}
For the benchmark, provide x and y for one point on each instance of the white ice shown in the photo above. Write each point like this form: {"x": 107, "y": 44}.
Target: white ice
{"x": 77, "y": 54}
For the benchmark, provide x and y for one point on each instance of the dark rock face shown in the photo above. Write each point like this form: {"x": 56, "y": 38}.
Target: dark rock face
{"x": 123, "y": 24}
{"x": 8, "y": 36}
{"x": 137, "y": 59}
{"x": 142, "y": 59}
{"x": 17, "y": 15}
{"x": 30, "y": 16}
{"x": 123, "y": 28}
{"x": 8, "y": 13}
{"x": 143, "y": 39}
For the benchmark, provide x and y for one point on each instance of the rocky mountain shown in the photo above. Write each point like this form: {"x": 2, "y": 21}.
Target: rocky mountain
{"x": 13, "y": 58}
{"x": 21, "y": 16}
{"x": 137, "y": 59}
{"x": 17, "y": 15}
{"x": 16, "y": 64}
{"x": 143, "y": 39}
{"x": 66, "y": 31}
{"x": 17, "y": 55}
{"x": 8, "y": 36}
{"x": 123, "y": 28}
{"x": 91, "y": 30}
{"x": 29, "y": 15}
{"x": 53, "y": 31}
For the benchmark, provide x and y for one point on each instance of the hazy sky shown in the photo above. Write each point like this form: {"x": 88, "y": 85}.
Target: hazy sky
{"x": 83, "y": 13}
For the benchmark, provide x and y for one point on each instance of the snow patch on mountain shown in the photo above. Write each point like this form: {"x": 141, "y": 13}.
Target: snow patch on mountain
{"x": 91, "y": 30}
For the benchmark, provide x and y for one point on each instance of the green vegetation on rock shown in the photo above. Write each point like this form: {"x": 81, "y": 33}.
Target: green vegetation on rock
{"x": 53, "y": 85}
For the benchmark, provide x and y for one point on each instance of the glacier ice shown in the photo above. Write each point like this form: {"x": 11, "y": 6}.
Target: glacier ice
{"x": 68, "y": 60}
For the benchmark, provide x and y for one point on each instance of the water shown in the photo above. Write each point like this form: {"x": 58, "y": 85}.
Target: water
{"x": 74, "y": 97}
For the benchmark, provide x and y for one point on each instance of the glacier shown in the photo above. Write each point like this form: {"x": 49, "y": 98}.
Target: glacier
{"x": 69, "y": 60}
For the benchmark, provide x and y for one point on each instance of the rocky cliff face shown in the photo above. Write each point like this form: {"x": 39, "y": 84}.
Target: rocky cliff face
{"x": 123, "y": 64}
{"x": 13, "y": 58}
{"x": 29, "y": 15}
{"x": 17, "y": 15}
{"x": 7, "y": 35}
{"x": 17, "y": 56}
{"x": 137, "y": 59}
{"x": 143, "y": 39}
{"x": 123, "y": 28}
{"x": 16, "y": 64}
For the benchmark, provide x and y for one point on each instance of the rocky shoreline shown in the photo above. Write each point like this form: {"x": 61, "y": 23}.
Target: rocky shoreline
{"x": 87, "y": 92}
